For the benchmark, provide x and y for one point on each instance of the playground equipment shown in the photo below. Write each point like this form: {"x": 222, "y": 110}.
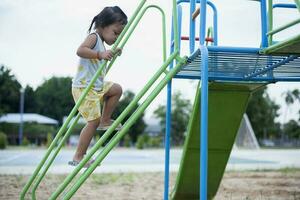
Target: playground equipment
{"x": 228, "y": 77}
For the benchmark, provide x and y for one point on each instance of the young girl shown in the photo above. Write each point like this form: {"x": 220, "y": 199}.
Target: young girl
{"x": 108, "y": 24}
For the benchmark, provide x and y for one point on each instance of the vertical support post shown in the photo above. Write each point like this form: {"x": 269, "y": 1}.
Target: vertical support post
{"x": 202, "y": 21}
{"x": 179, "y": 22}
{"x": 270, "y": 21}
{"x": 175, "y": 23}
{"x": 175, "y": 47}
{"x": 215, "y": 22}
{"x": 204, "y": 103}
{"x": 204, "y": 123}
{"x": 167, "y": 137}
{"x": 22, "y": 91}
{"x": 192, "y": 26}
{"x": 264, "y": 23}
{"x": 168, "y": 121}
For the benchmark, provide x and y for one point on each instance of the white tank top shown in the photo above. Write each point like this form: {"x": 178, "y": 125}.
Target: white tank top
{"x": 87, "y": 68}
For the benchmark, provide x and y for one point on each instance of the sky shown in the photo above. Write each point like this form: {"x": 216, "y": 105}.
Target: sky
{"x": 39, "y": 39}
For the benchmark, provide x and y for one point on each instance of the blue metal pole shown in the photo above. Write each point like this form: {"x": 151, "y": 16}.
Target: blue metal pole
{"x": 204, "y": 103}
{"x": 284, "y": 5}
{"x": 167, "y": 139}
{"x": 22, "y": 91}
{"x": 264, "y": 23}
{"x": 202, "y": 21}
{"x": 168, "y": 123}
{"x": 179, "y": 20}
{"x": 192, "y": 26}
{"x": 204, "y": 120}
{"x": 215, "y": 21}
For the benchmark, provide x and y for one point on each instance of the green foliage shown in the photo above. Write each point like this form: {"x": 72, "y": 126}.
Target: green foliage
{"x": 292, "y": 129}
{"x": 292, "y": 97}
{"x": 139, "y": 126}
{"x": 30, "y": 130}
{"x": 25, "y": 141}
{"x": 49, "y": 139}
{"x": 145, "y": 141}
{"x": 142, "y": 141}
{"x": 181, "y": 109}
{"x": 126, "y": 140}
{"x": 155, "y": 141}
{"x": 262, "y": 112}
{"x": 30, "y": 105}
{"x": 3, "y": 140}
{"x": 54, "y": 98}
{"x": 9, "y": 90}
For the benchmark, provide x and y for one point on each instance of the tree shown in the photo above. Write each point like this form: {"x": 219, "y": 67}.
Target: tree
{"x": 54, "y": 98}
{"x": 290, "y": 98}
{"x": 139, "y": 126}
{"x": 181, "y": 110}
{"x": 292, "y": 129}
{"x": 262, "y": 112}
{"x": 9, "y": 91}
{"x": 30, "y": 100}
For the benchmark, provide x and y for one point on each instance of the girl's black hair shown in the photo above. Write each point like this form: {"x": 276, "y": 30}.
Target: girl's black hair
{"x": 108, "y": 16}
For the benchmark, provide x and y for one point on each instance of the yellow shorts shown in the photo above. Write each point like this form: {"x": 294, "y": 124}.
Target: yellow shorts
{"x": 90, "y": 108}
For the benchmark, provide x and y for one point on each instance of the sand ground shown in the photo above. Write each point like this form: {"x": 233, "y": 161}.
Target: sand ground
{"x": 260, "y": 185}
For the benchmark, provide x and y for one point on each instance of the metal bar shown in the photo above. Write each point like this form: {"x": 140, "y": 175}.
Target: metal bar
{"x": 179, "y": 20}
{"x": 207, "y": 39}
{"x": 22, "y": 93}
{"x": 202, "y": 21}
{"x": 167, "y": 137}
{"x": 175, "y": 23}
{"x": 124, "y": 130}
{"x": 284, "y": 5}
{"x": 168, "y": 123}
{"x": 215, "y": 22}
{"x": 233, "y": 49}
{"x": 279, "y": 44}
{"x": 204, "y": 122}
{"x": 264, "y": 23}
{"x": 192, "y": 26}
{"x": 270, "y": 22}
{"x": 272, "y": 32}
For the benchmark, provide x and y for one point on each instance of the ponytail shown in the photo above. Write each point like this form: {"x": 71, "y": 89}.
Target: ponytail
{"x": 93, "y": 21}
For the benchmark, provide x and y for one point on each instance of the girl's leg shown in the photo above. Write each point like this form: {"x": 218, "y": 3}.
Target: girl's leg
{"x": 85, "y": 138}
{"x": 111, "y": 100}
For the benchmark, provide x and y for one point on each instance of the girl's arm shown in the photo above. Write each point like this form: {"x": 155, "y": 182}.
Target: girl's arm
{"x": 85, "y": 50}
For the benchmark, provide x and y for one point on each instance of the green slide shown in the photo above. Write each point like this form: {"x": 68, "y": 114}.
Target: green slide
{"x": 227, "y": 103}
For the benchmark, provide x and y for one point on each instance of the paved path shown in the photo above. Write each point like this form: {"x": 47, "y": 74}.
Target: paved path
{"x": 132, "y": 160}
